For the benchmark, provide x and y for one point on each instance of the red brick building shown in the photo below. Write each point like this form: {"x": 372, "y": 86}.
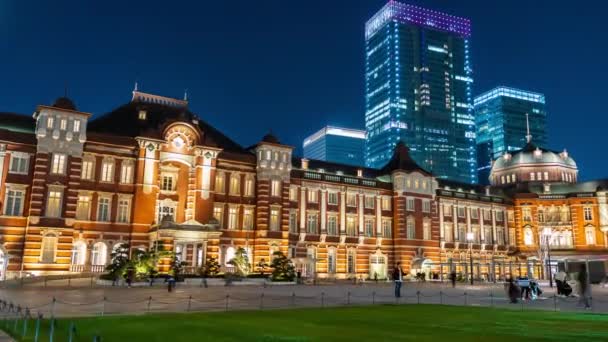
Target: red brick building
{"x": 73, "y": 187}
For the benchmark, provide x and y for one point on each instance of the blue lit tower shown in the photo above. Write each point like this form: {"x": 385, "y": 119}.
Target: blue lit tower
{"x": 500, "y": 115}
{"x": 418, "y": 90}
{"x": 336, "y": 144}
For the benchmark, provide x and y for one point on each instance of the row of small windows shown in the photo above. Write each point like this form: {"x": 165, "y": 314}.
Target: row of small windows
{"x": 63, "y": 124}
{"x": 554, "y": 214}
{"x": 312, "y": 225}
{"x": 240, "y": 218}
{"x": 88, "y": 169}
{"x": 559, "y": 239}
{"x": 460, "y": 234}
{"x": 369, "y": 202}
{"x": 234, "y": 187}
{"x": 461, "y": 212}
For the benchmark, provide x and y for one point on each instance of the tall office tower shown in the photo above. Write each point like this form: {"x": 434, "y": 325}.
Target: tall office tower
{"x": 500, "y": 116}
{"x": 418, "y": 90}
{"x": 336, "y": 144}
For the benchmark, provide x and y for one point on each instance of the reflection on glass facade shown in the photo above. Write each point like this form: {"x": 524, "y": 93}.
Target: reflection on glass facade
{"x": 418, "y": 90}
{"x": 501, "y": 124}
{"x": 336, "y": 144}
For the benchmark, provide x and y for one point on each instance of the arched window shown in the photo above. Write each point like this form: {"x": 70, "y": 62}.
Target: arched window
{"x": 99, "y": 254}
{"x": 273, "y": 248}
{"x": 590, "y": 235}
{"x": 331, "y": 260}
{"x": 528, "y": 237}
{"x": 351, "y": 261}
{"x": 79, "y": 253}
{"x": 230, "y": 252}
{"x": 49, "y": 248}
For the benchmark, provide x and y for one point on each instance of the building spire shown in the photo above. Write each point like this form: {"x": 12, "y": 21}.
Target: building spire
{"x": 186, "y": 95}
{"x": 135, "y": 88}
{"x": 528, "y": 136}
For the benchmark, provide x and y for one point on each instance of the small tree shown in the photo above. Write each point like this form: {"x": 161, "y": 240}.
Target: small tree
{"x": 283, "y": 269}
{"x": 176, "y": 267}
{"x": 240, "y": 262}
{"x": 120, "y": 261}
{"x": 211, "y": 267}
{"x": 262, "y": 265}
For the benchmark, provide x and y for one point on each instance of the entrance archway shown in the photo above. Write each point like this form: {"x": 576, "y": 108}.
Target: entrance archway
{"x": 377, "y": 266}
{"x": 422, "y": 265}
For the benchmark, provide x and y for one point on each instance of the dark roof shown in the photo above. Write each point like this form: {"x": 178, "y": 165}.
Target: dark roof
{"x": 271, "y": 138}
{"x": 17, "y": 122}
{"x": 124, "y": 121}
{"x": 64, "y": 103}
{"x": 17, "y": 137}
{"x": 402, "y": 160}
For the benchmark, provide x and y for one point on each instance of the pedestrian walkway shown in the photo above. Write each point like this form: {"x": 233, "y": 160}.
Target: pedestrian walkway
{"x": 5, "y": 338}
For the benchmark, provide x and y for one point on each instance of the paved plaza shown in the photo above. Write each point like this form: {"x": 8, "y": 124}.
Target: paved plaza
{"x": 83, "y": 298}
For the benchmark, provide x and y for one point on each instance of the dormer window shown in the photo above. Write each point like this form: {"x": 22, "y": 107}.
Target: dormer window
{"x": 142, "y": 115}
{"x": 50, "y": 121}
{"x": 76, "y": 126}
{"x": 64, "y": 124}
{"x": 507, "y": 156}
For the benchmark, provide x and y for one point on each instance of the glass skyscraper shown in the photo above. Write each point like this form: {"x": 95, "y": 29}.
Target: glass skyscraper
{"x": 418, "y": 90}
{"x": 336, "y": 144}
{"x": 500, "y": 116}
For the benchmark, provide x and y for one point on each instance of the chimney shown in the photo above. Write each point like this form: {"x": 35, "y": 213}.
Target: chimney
{"x": 304, "y": 164}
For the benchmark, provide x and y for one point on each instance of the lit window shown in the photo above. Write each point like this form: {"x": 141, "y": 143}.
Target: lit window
{"x": 369, "y": 202}
{"x": 351, "y": 261}
{"x": 528, "y": 237}
{"x": 218, "y": 214}
{"x": 312, "y": 196}
{"x": 411, "y": 228}
{"x": 249, "y": 186}
{"x": 293, "y": 194}
{"x": 126, "y": 172}
{"x": 103, "y": 209}
{"x": 275, "y": 188}
{"x": 168, "y": 182}
{"x": 539, "y": 176}
{"x": 369, "y": 228}
{"x": 311, "y": 223}
{"x": 410, "y": 204}
{"x": 274, "y": 220}
{"x": 99, "y": 254}
{"x": 235, "y": 184}
{"x": 88, "y": 167}
{"x": 387, "y": 229}
{"x": 426, "y": 206}
{"x": 487, "y": 214}
{"x": 426, "y": 230}
{"x": 63, "y": 124}
{"x": 107, "y": 170}
{"x": 331, "y": 260}
{"x": 219, "y": 183}
{"x": 386, "y": 203}
{"x": 588, "y": 214}
{"x": 447, "y": 210}
{"x": 546, "y": 174}
{"x": 233, "y": 218}
{"x": 76, "y": 126}
{"x": 53, "y": 204}
{"x": 351, "y": 229}
{"x": 532, "y": 176}
{"x": 248, "y": 219}
{"x": 142, "y": 115}
{"x": 332, "y": 225}
{"x": 332, "y": 198}
{"x": 50, "y": 122}
{"x": 123, "y": 211}
{"x": 293, "y": 222}
{"x": 13, "y": 204}
{"x": 527, "y": 214}
{"x": 166, "y": 210}
{"x": 461, "y": 212}
{"x": 49, "y": 247}
{"x": 83, "y": 207}
{"x": 351, "y": 200}
{"x": 19, "y": 163}
{"x": 590, "y": 235}
{"x": 58, "y": 165}
{"x": 474, "y": 213}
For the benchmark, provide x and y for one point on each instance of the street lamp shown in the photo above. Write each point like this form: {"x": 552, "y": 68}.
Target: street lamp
{"x": 470, "y": 238}
{"x": 547, "y": 236}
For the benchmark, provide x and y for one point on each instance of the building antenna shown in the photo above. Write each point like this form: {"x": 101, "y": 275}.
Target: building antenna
{"x": 135, "y": 88}
{"x": 528, "y": 136}
{"x": 186, "y": 95}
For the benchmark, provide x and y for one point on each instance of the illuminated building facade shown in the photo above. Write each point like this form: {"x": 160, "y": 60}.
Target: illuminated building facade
{"x": 418, "y": 80}
{"x": 336, "y": 144}
{"x": 73, "y": 187}
{"x": 500, "y": 115}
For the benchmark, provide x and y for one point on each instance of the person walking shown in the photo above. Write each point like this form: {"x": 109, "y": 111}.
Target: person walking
{"x": 560, "y": 280}
{"x": 584, "y": 287}
{"x": 512, "y": 291}
{"x": 398, "y": 279}
{"x": 453, "y": 278}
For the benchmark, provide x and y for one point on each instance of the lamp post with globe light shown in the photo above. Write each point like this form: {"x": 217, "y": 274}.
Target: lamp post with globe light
{"x": 547, "y": 236}
{"x": 470, "y": 238}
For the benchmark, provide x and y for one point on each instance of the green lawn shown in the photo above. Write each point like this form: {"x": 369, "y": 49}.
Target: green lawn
{"x": 369, "y": 323}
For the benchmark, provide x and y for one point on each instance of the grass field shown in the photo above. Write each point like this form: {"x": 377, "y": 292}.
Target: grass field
{"x": 370, "y": 323}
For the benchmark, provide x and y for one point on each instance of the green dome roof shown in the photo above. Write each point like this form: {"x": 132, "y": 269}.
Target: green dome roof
{"x": 532, "y": 154}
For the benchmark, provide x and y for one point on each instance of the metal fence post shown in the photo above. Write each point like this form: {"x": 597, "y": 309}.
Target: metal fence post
{"x": 45, "y": 280}
{"x": 418, "y": 295}
{"x": 440, "y": 297}
{"x": 227, "y": 301}
{"x": 92, "y": 277}
{"x": 189, "y": 303}
{"x": 293, "y": 299}
{"x": 37, "y": 333}
{"x": 69, "y": 281}
{"x": 554, "y": 302}
{"x": 103, "y": 306}
{"x": 149, "y": 303}
{"x": 53, "y": 307}
{"x": 71, "y": 332}
{"x": 52, "y": 331}
{"x": 465, "y": 298}
{"x": 25, "y": 321}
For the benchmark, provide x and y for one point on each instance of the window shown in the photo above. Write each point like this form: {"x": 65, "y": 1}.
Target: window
{"x": 541, "y": 215}
{"x": 448, "y": 233}
{"x": 350, "y": 261}
{"x": 426, "y": 230}
{"x": 233, "y": 217}
{"x": 332, "y": 225}
{"x": 123, "y": 210}
{"x": 331, "y": 260}
{"x": 88, "y": 167}
{"x": 351, "y": 200}
{"x": 426, "y": 206}
{"x": 475, "y": 213}
{"x": 387, "y": 229}
{"x": 79, "y": 253}
{"x": 218, "y": 214}
{"x": 248, "y": 219}
{"x": 50, "y": 122}
{"x": 249, "y": 186}
{"x": 386, "y": 203}
{"x": 410, "y": 204}
{"x": 219, "y": 183}
{"x": 166, "y": 210}
{"x": 167, "y": 182}
{"x": 527, "y": 214}
{"x": 461, "y": 212}
{"x": 235, "y": 184}
{"x": 539, "y": 176}
{"x": 76, "y": 126}
{"x": 332, "y": 198}
{"x": 49, "y": 247}
{"x": 107, "y": 170}
{"x": 351, "y": 229}
{"x": 142, "y": 115}
{"x": 546, "y": 174}
{"x": 103, "y": 209}
{"x": 58, "y": 165}
{"x": 293, "y": 222}
{"x": 99, "y": 254}
{"x": 588, "y": 214}
{"x": 63, "y": 124}
{"x": 126, "y": 172}
{"x": 274, "y": 220}
{"x": 312, "y": 196}
{"x": 502, "y": 179}
{"x": 590, "y": 235}
{"x": 447, "y": 210}
{"x": 293, "y": 194}
{"x": 275, "y": 188}
{"x": 514, "y": 178}
{"x": 500, "y": 216}
{"x": 311, "y": 223}
{"x": 83, "y": 207}
{"x": 13, "y": 204}
{"x": 369, "y": 228}
{"x": 369, "y": 202}
{"x": 53, "y": 204}
{"x": 500, "y": 236}
{"x": 411, "y": 228}
{"x": 528, "y": 237}
{"x": 19, "y": 163}
{"x": 532, "y": 176}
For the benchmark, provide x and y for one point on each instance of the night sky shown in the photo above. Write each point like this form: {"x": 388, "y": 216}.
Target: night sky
{"x": 293, "y": 66}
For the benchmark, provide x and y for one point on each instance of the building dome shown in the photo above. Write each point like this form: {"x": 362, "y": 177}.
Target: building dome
{"x": 64, "y": 103}
{"x": 271, "y": 138}
{"x": 533, "y": 164}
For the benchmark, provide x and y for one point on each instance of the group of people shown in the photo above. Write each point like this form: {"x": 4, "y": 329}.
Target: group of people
{"x": 523, "y": 288}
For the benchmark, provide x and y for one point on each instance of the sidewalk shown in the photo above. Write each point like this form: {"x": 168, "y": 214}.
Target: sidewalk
{"x": 5, "y": 338}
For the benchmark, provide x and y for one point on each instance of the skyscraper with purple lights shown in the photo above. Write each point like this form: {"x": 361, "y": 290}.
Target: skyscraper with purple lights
{"x": 418, "y": 82}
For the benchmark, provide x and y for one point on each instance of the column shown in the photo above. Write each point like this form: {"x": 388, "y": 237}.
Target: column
{"x": 378, "y": 216}
{"x": 360, "y": 206}
{"x": 323, "y": 211}
{"x": 441, "y": 237}
{"x": 493, "y": 226}
{"x": 342, "y": 212}
{"x": 455, "y": 224}
{"x": 2, "y": 156}
{"x": 302, "y": 209}
{"x": 505, "y": 230}
{"x": 468, "y": 213}
{"x": 481, "y": 227}
{"x": 194, "y": 254}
